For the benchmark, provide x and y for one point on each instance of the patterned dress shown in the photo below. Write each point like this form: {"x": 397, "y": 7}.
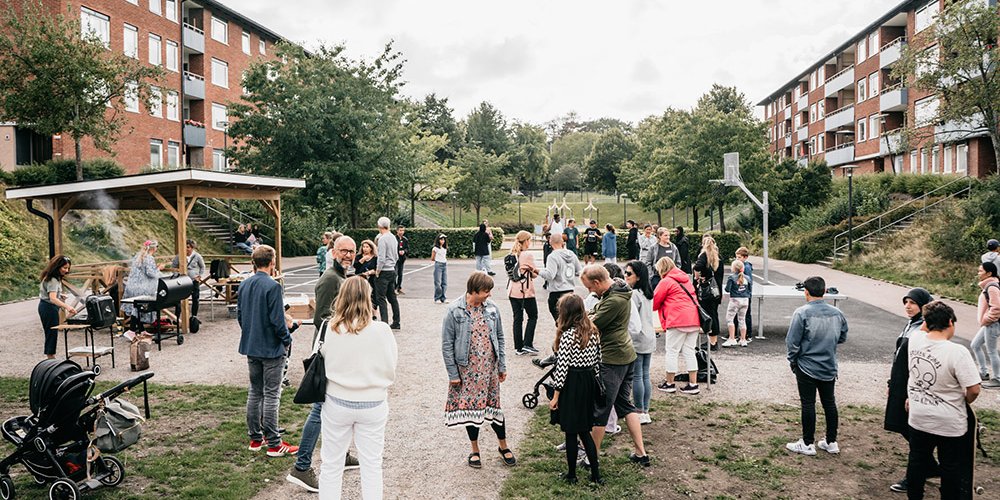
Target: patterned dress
{"x": 143, "y": 278}
{"x": 476, "y": 401}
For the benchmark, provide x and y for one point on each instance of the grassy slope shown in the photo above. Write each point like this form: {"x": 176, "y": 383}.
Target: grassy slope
{"x": 24, "y": 241}
{"x": 906, "y": 258}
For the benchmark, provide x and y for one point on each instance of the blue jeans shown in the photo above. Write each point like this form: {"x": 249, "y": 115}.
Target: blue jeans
{"x": 244, "y": 247}
{"x": 987, "y": 337}
{"x": 483, "y": 263}
{"x": 642, "y": 388}
{"x": 440, "y": 280}
{"x": 310, "y": 434}
{"x": 263, "y": 399}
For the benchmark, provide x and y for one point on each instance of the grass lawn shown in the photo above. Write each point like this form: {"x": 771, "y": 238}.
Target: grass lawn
{"x": 193, "y": 446}
{"x": 726, "y": 450}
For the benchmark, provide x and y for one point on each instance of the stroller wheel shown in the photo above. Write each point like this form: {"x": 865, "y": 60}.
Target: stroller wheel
{"x": 64, "y": 489}
{"x": 529, "y": 400}
{"x": 180, "y": 339}
{"x": 96, "y": 369}
{"x": 115, "y": 471}
{"x": 6, "y": 488}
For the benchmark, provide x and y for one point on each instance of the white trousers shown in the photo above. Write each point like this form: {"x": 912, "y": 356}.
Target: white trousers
{"x": 367, "y": 427}
{"x": 678, "y": 342}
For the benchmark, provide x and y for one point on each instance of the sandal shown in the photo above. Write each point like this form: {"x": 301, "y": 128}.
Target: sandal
{"x": 503, "y": 454}
{"x": 475, "y": 461}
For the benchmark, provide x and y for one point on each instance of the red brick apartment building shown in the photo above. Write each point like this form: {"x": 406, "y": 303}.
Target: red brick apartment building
{"x": 848, "y": 110}
{"x": 204, "y": 48}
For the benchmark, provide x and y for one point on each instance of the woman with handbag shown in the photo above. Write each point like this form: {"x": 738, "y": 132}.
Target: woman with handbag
{"x": 575, "y": 381}
{"x": 708, "y": 278}
{"x": 678, "y": 311}
{"x": 359, "y": 356}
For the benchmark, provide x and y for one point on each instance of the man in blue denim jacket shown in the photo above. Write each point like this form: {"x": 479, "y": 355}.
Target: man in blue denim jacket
{"x": 816, "y": 330}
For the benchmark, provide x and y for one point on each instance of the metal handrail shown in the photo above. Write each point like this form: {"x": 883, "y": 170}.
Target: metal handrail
{"x": 195, "y": 29}
{"x": 236, "y": 213}
{"x": 840, "y": 146}
{"x": 841, "y": 72}
{"x": 877, "y": 222}
{"x": 900, "y": 40}
{"x": 193, "y": 76}
{"x": 839, "y": 110}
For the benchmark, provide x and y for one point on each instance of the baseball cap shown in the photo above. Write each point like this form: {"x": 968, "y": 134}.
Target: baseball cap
{"x": 992, "y": 245}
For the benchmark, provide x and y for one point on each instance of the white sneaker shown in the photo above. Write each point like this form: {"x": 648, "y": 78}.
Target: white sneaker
{"x": 618, "y": 429}
{"x": 801, "y": 447}
{"x": 831, "y": 448}
{"x": 644, "y": 418}
{"x": 743, "y": 343}
{"x": 729, "y": 343}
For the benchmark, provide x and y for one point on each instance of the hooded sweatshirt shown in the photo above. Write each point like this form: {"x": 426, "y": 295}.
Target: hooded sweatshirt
{"x": 989, "y": 302}
{"x": 611, "y": 316}
{"x": 895, "y": 406}
{"x": 561, "y": 270}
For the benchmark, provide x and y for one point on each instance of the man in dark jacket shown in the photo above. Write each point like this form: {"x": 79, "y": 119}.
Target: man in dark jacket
{"x": 264, "y": 340}
{"x": 895, "y": 406}
{"x": 610, "y": 316}
{"x": 481, "y": 248}
{"x": 632, "y": 243}
{"x": 404, "y": 251}
{"x": 684, "y": 247}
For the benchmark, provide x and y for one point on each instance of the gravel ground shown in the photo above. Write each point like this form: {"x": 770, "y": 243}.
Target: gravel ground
{"x": 418, "y": 446}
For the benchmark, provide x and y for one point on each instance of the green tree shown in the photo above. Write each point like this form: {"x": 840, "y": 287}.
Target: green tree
{"x": 427, "y": 176}
{"x": 566, "y": 177}
{"x": 436, "y": 118}
{"x": 604, "y": 163}
{"x": 58, "y": 80}
{"x": 572, "y": 149}
{"x": 486, "y": 128}
{"x": 529, "y": 158}
{"x": 643, "y": 177}
{"x": 338, "y": 123}
{"x": 791, "y": 188}
{"x": 960, "y": 68}
{"x": 481, "y": 181}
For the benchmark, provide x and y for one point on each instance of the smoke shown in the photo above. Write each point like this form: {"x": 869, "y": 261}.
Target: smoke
{"x": 102, "y": 214}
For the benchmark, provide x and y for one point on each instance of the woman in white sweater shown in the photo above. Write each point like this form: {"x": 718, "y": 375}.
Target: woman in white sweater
{"x": 360, "y": 357}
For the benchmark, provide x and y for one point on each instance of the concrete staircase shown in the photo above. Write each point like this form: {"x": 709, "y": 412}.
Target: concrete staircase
{"x": 211, "y": 228}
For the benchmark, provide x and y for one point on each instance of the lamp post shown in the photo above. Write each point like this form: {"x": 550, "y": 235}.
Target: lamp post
{"x": 518, "y": 210}
{"x": 624, "y": 209}
{"x": 454, "y": 219}
{"x": 224, "y": 125}
{"x": 849, "y": 172}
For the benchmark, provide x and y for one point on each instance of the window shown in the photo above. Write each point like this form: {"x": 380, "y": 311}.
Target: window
{"x": 822, "y": 142}
{"x": 131, "y": 44}
{"x": 928, "y": 60}
{"x": 897, "y": 164}
{"x": 873, "y": 84}
{"x": 220, "y": 73}
{"x": 154, "y": 6}
{"x": 873, "y": 44}
{"x": 172, "y": 102}
{"x": 962, "y": 158}
{"x": 862, "y": 127}
{"x": 173, "y": 154}
{"x": 219, "y": 117}
{"x": 821, "y": 74}
{"x": 155, "y": 57}
{"x": 220, "y": 30}
{"x": 260, "y": 47}
{"x": 155, "y": 102}
{"x": 949, "y": 151}
{"x": 97, "y": 25}
{"x": 171, "y": 10}
{"x": 862, "y": 84}
{"x": 922, "y": 154}
{"x": 219, "y": 161}
{"x": 862, "y": 53}
{"x": 798, "y": 121}
{"x": 812, "y": 146}
{"x": 812, "y": 112}
{"x": 132, "y": 97}
{"x": 925, "y": 16}
{"x": 925, "y": 111}
{"x": 874, "y": 124}
{"x": 935, "y": 163}
{"x": 913, "y": 161}
{"x": 821, "y": 111}
{"x": 156, "y": 153}
{"x": 173, "y": 51}
{"x": 133, "y": 2}
{"x": 246, "y": 42}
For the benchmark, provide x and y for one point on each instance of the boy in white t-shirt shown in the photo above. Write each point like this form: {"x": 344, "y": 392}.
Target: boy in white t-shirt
{"x": 943, "y": 382}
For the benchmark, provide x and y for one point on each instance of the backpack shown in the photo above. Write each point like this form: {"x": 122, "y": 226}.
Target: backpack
{"x": 513, "y": 268}
{"x": 986, "y": 292}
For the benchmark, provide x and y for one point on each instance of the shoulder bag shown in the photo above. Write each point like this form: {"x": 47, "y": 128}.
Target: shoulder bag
{"x": 313, "y": 386}
{"x": 704, "y": 319}
{"x": 600, "y": 392}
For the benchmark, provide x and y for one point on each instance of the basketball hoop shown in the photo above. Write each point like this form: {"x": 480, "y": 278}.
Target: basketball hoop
{"x": 731, "y": 169}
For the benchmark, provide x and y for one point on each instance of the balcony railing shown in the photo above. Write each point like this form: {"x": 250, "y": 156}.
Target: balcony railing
{"x": 802, "y": 133}
{"x": 890, "y": 52}
{"x": 194, "y": 86}
{"x": 893, "y": 99}
{"x": 788, "y": 113}
{"x": 194, "y": 135}
{"x": 194, "y": 39}
{"x": 840, "y": 155}
{"x": 843, "y": 79}
{"x": 958, "y": 130}
{"x": 839, "y": 118}
{"x": 803, "y": 102}
{"x": 891, "y": 142}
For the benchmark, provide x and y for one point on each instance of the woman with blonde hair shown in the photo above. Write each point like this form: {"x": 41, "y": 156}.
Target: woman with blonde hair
{"x": 521, "y": 292}
{"x": 143, "y": 278}
{"x": 739, "y": 288}
{"x": 708, "y": 276}
{"x": 360, "y": 357}
{"x": 678, "y": 312}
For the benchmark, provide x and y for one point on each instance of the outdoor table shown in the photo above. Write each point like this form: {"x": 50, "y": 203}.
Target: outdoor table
{"x": 90, "y": 349}
{"x": 761, "y": 292}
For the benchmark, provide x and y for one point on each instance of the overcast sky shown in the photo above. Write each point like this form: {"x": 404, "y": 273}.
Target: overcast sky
{"x": 536, "y": 60}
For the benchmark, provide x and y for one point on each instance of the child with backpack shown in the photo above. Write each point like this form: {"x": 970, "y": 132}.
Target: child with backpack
{"x": 739, "y": 288}
{"x": 520, "y": 267}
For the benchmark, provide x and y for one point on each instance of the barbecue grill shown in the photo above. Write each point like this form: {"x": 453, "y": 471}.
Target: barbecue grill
{"x": 169, "y": 291}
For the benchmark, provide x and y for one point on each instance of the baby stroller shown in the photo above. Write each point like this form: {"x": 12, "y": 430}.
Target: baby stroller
{"x": 55, "y": 442}
{"x": 530, "y": 400}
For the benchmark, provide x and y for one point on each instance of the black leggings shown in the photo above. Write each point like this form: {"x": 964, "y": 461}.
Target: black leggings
{"x": 588, "y": 447}
{"x": 500, "y": 429}
{"x": 49, "y": 314}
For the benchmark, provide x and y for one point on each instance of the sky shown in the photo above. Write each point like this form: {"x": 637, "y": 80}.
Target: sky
{"x": 538, "y": 60}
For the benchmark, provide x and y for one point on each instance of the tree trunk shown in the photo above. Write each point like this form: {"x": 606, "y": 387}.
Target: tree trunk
{"x": 79, "y": 158}
{"x": 694, "y": 214}
{"x": 995, "y": 139}
{"x": 354, "y": 213}
{"x": 659, "y": 216}
{"x": 722, "y": 218}
{"x": 413, "y": 205}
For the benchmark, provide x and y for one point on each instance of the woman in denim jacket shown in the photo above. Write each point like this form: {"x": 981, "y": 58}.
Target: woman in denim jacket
{"x": 472, "y": 344}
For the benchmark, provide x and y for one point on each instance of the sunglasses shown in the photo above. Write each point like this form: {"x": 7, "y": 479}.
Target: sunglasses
{"x": 628, "y": 273}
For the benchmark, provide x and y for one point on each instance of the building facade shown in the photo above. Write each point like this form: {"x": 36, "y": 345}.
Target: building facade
{"x": 203, "y": 47}
{"x": 848, "y": 109}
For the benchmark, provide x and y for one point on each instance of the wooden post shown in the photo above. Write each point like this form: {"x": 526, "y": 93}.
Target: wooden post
{"x": 57, "y": 226}
{"x": 180, "y": 219}
{"x": 277, "y": 232}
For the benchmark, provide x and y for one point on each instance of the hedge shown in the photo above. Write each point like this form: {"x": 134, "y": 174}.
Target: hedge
{"x": 59, "y": 171}
{"x": 422, "y": 239}
{"x": 728, "y": 243}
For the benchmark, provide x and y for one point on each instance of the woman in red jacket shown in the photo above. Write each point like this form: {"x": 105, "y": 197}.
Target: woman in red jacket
{"x": 674, "y": 300}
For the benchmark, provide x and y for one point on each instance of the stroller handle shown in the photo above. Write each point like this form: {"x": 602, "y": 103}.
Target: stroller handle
{"x": 122, "y": 387}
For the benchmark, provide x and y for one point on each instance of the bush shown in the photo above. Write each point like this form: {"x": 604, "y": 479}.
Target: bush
{"x": 422, "y": 239}
{"x": 59, "y": 171}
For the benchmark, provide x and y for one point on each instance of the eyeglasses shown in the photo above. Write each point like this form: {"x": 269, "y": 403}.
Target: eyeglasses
{"x": 347, "y": 250}
{"x": 628, "y": 273}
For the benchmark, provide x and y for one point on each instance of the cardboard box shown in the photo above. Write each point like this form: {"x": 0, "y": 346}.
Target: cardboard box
{"x": 302, "y": 307}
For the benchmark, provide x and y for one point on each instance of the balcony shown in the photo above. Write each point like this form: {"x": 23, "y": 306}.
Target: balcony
{"x": 960, "y": 130}
{"x": 840, "y": 81}
{"x": 194, "y": 86}
{"x": 788, "y": 141}
{"x": 194, "y": 135}
{"x": 802, "y": 162}
{"x": 194, "y": 39}
{"x": 893, "y": 99}
{"x": 788, "y": 113}
{"x": 891, "y": 51}
{"x": 840, "y": 155}
{"x": 803, "y": 133}
{"x": 891, "y": 143}
{"x": 803, "y": 102}
{"x": 840, "y": 118}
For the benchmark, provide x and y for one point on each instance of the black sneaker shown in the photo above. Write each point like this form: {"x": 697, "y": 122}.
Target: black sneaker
{"x": 665, "y": 387}
{"x": 636, "y": 459}
{"x": 491, "y": 273}
{"x": 899, "y": 487}
{"x": 395, "y": 326}
{"x": 520, "y": 352}
{"x": 690, "y": 389}
{"x": 531, "y": 349}
{"x": 545, "y": 362}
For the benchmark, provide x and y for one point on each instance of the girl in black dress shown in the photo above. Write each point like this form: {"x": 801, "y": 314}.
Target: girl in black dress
{"x": 575, "y": 380}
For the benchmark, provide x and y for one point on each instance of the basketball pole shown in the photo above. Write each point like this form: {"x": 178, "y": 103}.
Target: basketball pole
{"x": 731, "y": 169}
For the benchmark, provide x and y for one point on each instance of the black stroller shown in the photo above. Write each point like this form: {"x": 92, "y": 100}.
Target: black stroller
{"x": 530, "y": 399}
{"x": 54, "y": 442}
